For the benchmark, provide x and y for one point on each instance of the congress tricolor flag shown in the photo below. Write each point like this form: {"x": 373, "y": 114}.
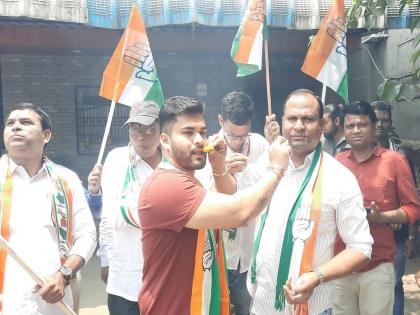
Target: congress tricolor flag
{"x": 326, "y": 59}
{"x": 247, "y": 46}
{"x": 130, "y": 75}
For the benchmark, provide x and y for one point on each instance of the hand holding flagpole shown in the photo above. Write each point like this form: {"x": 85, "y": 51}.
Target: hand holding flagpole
{"x": 37, "y": 278}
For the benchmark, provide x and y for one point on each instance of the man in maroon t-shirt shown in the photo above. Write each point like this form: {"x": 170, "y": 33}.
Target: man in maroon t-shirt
{"x": 390, "y": 197}
{"x": 174, "y": 206}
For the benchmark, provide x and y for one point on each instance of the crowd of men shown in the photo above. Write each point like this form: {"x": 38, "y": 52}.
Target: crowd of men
{"x": 314, "y": 217}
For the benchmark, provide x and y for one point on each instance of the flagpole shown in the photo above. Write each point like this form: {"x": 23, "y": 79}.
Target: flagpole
{"x": 112, "y": 109}
{"x": 267, "y": 76}
{"x": 324, "y": 93}
{"x": 4, "y": 244}
{"x": 106, "y": 133}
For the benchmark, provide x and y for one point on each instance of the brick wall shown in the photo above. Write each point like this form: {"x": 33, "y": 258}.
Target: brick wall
{"x": 50, "y": 80}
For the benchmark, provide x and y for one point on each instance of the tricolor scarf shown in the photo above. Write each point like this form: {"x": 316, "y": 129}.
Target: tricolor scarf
{"x": 300, "y": 234}
{"x": 61, "y": 211}
{"x": 131, "y": 189}
{"x": 210, "y": 293}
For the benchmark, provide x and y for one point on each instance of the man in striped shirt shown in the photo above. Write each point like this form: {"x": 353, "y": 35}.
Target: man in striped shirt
{"x": 341, "y": 210}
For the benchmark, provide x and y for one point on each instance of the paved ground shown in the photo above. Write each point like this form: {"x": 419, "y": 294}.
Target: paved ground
{"x": 93, "y": 300}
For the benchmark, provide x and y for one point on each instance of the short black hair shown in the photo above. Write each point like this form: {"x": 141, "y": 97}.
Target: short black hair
{"x": 175, "y": 106}
{"x": 361, "y": 108}
{"x": 383, "y": 106}
{"x": 44, "y": 117}
{"x": 335, "y": 110}
{"x": 237, "y": 107}
{"x": 303, "y": 92}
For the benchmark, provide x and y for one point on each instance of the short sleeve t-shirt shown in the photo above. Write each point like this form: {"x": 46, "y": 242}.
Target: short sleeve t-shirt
{"x": 168, "y": 199}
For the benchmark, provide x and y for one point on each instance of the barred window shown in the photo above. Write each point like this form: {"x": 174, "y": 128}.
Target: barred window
{"x": 91, "y": 116}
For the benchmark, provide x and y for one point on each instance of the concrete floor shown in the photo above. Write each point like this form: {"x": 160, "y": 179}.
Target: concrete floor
{"x": 93, "y": 298}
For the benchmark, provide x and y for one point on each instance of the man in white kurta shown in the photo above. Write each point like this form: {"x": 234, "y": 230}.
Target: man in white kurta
{"x": 32, "y": 232}
{"x": 341, "y": 210}
{"x": 119, "y": 239}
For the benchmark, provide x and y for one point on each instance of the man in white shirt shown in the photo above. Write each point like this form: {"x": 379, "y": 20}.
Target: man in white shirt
{"x": 247, "y": 159}
{"x": 124, "y": 172}
{"x": 293, "y": 264}
{"x": 44, "y": 216}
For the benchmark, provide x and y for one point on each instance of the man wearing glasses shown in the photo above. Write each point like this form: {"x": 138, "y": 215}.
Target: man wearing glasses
{"x": 246, "y": 158}
{"x": 124, "y": 172}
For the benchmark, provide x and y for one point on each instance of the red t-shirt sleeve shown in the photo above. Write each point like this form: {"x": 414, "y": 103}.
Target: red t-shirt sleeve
{"x": 168, "y": 200}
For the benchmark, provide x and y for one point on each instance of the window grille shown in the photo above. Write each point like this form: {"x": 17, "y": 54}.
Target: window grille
{"x": 91, "y": 116}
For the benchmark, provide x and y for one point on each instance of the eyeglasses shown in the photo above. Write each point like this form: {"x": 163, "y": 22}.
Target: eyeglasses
{"x": 236, "y": 137}
{"x": 142, "y": 130}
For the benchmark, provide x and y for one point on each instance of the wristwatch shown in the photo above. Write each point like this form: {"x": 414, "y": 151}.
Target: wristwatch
{"x": 411, "y": 237}
{"x": 66, "y": 272}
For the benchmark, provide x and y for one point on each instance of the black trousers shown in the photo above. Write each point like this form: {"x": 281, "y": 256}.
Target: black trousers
{"x": 120, "y": 306}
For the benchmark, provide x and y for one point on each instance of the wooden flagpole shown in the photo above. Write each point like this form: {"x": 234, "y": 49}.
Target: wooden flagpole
{"x": 37, "y": 278}
{"x": 267, "y": 76}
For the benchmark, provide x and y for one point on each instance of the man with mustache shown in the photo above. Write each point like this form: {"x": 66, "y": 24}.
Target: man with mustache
{"x": 293, "y": 261}
{"x": 183, "y": 256}
{"x": 390, "y": 197}
{"x": 44, "y": 216}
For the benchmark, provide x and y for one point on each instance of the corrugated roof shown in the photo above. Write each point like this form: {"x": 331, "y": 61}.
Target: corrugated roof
{"x": 290, "y": 14}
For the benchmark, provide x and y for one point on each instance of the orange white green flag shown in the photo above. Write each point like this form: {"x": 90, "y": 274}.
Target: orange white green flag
{"x": 247, "y": 46}
{"x": 131, "y": 75}
{"x": 326, "y": 59}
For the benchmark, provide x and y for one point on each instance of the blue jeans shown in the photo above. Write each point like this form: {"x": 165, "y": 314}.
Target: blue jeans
{"x": 399, "y": 266}
{"x": 239, "y": 296}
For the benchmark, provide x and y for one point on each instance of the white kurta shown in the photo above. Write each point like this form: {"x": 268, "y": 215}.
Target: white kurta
{"x": 120, "y": 245}
{"x": 33, "y": 236}
{"x": 342, "y": 210}
{"x": 240, "y": 249}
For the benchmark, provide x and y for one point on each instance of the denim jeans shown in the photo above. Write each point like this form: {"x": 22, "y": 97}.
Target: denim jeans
{"x": 399, "y": 266}
{"x": 239, "y": 296}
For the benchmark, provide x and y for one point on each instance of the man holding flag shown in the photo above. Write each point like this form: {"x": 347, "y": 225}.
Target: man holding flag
{"x": 130, "y": 78}
{"x": 124, "y": 172}
{"x": 44, "y": 217}
{"x": 293, "y": 251}
{"x": 184, "y": 267}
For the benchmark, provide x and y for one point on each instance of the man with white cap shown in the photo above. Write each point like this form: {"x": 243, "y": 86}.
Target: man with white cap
{"x": 124, "y": 171}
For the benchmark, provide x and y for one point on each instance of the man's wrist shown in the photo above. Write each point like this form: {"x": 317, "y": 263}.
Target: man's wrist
{"x": 66, "y": 273}
{"x": 98, "y": 193}
{"x": 277, "y": 169}
{"x": 219, "y": 169}
{"x": 320, "y": 275}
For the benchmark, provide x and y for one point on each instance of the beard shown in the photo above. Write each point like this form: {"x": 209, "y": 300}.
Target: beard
{"x": 187, "y": 160}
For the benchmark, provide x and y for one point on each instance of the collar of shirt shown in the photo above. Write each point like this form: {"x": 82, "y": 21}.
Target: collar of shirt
{"x": 342, "y": 143}
{"x": 378, "y": 150}
{"x": 20, "y": 171}
{"x": 307, "y": 161}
